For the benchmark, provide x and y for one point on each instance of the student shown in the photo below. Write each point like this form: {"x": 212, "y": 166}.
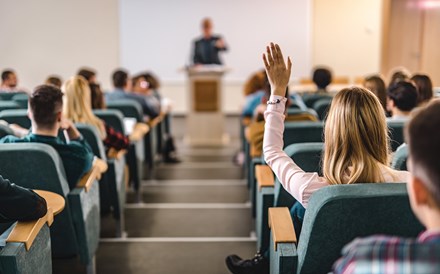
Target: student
{"x": 386, "y": 254}
{"x": 424, "y": 88}
{"x": 77, "y": 107}
{"x": 401, "y": 100}
{"x": 45, "y": 112}
{"x": 96, "y": 93}
{"x": 355, "y": 150}
{"x": 19, "y": 204}
{"x": 322, "y": 78}
{"x": 254, "y": 91}
{"x": 9, "y": 81}
{"x": 376, "y": 84}
{"x": 54, "y": 80}
{"x": 141, "y": 87}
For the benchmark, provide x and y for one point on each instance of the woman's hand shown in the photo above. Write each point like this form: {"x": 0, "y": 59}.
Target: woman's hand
{"x": 276, "y": 69}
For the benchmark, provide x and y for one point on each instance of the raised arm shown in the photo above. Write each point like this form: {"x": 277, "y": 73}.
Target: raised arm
{"x": 298, "y": 183}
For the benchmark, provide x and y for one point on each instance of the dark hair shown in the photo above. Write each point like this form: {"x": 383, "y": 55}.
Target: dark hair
{"x": 379, "y": 88}
{"x": 120, "y": 78}
{"x": 152, "y": 80}
{"x": 54, "y": 80}
{"x": 45, "y": 102}
{"x": 404, "y": 95}
{"x": 87, "y": 73}
{"x": 97, "y": 96}
{"x": 398, "y": 76}
{"x": 322, "y": 77}
{"x": 6, "y": 73}
{"x": 136, "y": 79}
{"x": 422, "y": 134}
{"x": 424, "y": 87}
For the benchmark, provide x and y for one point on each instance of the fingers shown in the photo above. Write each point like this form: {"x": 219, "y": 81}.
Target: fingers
{"x": 289, "y": 65}
{"x": 279, "y": 53}
{"x": 266, "y": 64}
{"x": 269, "y": 56}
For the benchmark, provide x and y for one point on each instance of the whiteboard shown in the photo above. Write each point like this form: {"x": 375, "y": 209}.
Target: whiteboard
{"x": 157, "y": 34}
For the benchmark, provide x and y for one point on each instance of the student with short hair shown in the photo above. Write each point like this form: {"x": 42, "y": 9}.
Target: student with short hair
{"x": 54, "y": 80}
{"x": 356, "y": 146}
{"x": 322, "y": 78}
{"x": 425, "y": 91}
{"x": 45, "y": 112}
{"x": 386, "y": 254}
{"x": 10, "y": 82}
{"x": 401, "y": 100}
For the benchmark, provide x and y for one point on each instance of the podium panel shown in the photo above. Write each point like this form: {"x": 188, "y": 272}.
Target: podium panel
{"x": 206, "y": 96}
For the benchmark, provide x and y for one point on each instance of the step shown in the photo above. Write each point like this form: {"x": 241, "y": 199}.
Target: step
{"x": 204, "y": 170}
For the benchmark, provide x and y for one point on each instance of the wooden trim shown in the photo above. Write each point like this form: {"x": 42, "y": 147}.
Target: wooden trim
{"x": 386, "y": 11}
{"x": 86, "y": 182}
{"x": 264, "y": 176}
{"x": 53, "y": 200}
{"x": 154, "y": 122}
{"x": 101, "y": 164}
{"x": 281, "y": 225}
{"x": 116, "y": 154}
{"x": 139, "y": 131}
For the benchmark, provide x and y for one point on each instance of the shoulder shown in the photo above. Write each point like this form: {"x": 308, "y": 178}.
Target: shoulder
{"x": 11, "y": 139}
{"x": 397, "y": 176}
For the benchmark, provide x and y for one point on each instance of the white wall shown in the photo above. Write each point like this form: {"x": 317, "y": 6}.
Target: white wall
{"x": 43, "y": 37}
{"x": 347, "y": 36}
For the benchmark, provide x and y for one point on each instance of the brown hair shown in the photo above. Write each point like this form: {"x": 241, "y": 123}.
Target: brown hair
{"x": 45, "y": 102}
{"x": 256, "y": 82}
{"x": 376, "y": 84}
{"x": 424, "y": 88}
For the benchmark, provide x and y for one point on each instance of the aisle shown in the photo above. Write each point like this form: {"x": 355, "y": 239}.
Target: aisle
{"x": 193, "y": 214}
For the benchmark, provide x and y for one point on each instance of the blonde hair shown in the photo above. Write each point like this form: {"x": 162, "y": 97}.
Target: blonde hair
{"x": 77, "y": 104}
{"x": 356, "y": 138}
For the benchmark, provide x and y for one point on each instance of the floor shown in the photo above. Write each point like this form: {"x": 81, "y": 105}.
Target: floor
{"x": 192, "y": 215}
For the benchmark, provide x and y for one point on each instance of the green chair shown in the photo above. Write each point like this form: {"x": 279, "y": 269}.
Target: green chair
{"x": 308, "y": 157}
{"x": 75, "y": 231}
{"x": 4, "y": 105}
{"x": 310, "y": 98}
{"x": 135, "y": 156}
{"x": 16, "y": 116}
{"x": 21, "y": 99}
{"x": 334, "y": 217}
{"x": 396, "y": 133}
{"x": 400, "y": 157}
{"x": 112, "y": 183}
{"x": 322, "y": 106}
{"x": 7, "y": 96}
{"x": 302, "y": 132}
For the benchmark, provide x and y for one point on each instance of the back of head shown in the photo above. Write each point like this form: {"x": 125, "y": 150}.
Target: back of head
{"x": 120, "y": 78}
{"x": 45, "y": 102}
{"x": 54, "y": 80}
{"x": 404, "y": 95}
{"x": 376, "y": 84}
{"x": 422, "y": 134}
{"x": 6, "y": 73}
{"x": 255, "y": 83}
{"x": 88, "y": 74}
{"x": 152, "y": 80}
{"x": 77, "y": 103}
{"x": 398, "y": 74}
{"x": 356, "y": 138}
{"x": 424, "y": 88}
{"x": 97, "y": 99}
{"x": 322, "y": 77}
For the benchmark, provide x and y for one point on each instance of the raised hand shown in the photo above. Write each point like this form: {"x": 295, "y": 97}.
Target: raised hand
{"x": 277, "y": 71}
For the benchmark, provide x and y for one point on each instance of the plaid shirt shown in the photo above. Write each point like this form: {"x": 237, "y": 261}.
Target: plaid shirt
{"x": 115, "y": 139}
{"x": 382, "y": 254}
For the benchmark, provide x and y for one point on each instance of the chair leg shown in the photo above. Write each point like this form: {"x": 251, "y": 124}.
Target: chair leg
{"x": 91, "y": 267}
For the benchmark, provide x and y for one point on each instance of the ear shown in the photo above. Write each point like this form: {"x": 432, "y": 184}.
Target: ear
{"x": 59, "y": 116}
{"x": 420, "y": 192}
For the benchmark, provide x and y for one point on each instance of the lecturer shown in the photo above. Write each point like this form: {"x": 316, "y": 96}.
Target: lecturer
{"x": 206, "y": 49}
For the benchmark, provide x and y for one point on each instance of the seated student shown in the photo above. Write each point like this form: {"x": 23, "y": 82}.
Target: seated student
{"x": 401, "y": 99}
{"x": 398, "y": 74}
{"x": 355, "y": 148}
{"x": 387, "y": 254}
{"x": 90, "y": 76}
{"x": 19, "y": 204}
{"x": 77, "y": 107}
{"x": 376, "y": 84}
{"x": 254, "y": 90}
{"x": 425, "y": 91}
{"x": 322, "y": 78}
{"x": 122, "y": 84}
{"x": 45, "y": 112}
{"x": 142, "y": 88}
{"x": 54, "y": 80}
{"x": 10, "y": 82}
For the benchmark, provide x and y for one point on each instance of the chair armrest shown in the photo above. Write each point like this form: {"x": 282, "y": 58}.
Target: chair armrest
{"x": 26, "y": 232}
{"x": 139, "y": 131}
{"x": 280, "y": 222}
{"x": 154, "y": 122}
{"x": 98, "y": 167}
{"x": 264, "y": 176}
{"x": 116, "y": 154}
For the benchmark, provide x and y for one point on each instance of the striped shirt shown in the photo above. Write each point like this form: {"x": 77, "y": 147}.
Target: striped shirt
{"x": 384, "y": 254}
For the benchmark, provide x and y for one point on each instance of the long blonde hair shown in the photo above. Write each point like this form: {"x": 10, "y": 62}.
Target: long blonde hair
{"x": 77, "y": 104}
{"x": 356, "y": 138}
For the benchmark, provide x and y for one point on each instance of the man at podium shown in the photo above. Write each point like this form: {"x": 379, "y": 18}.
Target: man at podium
{"x": 207, "y": 48}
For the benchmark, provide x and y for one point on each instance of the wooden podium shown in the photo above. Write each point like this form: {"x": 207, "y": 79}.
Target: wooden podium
{"x": 205, "y": 120}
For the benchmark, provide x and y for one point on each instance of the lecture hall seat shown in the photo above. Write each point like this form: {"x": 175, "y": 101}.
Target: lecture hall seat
{"x": 400, "y": 157}
{"x": 75, "y": 232}
{"x": 334, "y": 217}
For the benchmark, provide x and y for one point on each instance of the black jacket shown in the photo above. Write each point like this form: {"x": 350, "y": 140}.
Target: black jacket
{"x": 205, "y": 51}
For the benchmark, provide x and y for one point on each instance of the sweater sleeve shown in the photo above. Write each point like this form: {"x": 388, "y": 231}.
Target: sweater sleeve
{"x": 298, "y": 183}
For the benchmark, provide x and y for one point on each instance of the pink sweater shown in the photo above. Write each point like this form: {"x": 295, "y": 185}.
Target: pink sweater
{"x": 298, "y": 183}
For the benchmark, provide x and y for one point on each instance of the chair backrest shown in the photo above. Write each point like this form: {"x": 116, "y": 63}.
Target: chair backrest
{"x": 400, "y": 157}
{"x": 21, "y": 99}
{"x": 396, "y": 133}
{"x": 303, "y": 132}
{"x": 112, "y": 117}
{"x": 308, "y": 157}
{"x": 6, "y": 96}
{"x": 4, "y": 105}
{"x": 16, "y": 116}
{"x": 91, "y": 135}
{"x": 321, "y": 107}
{"x": 38, "y": 166}
{"x": 129, "y": 108}
{"x": 337, "y": 214}
{"x": 310, "y": 98}
{"x": 296, "y": 114}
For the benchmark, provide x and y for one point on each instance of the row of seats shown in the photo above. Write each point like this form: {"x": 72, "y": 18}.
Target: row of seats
{"x": 75, "y": 231}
